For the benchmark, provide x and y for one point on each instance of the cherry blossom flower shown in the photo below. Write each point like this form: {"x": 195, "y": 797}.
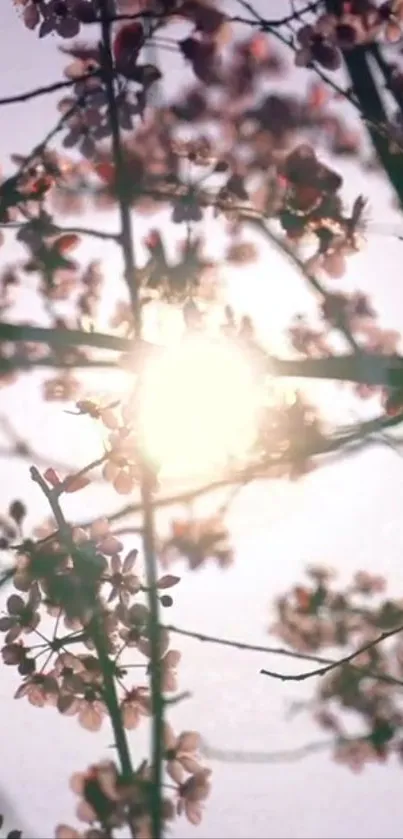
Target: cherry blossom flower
{"x": 198, "y": 540}
{"x": 192, "y": 793}
{"x": 367, "y": 583}
{"x": 121, "y": 579}
{"x": 98, "y": 791}
{"x": 23, "y": 617}
{"x": 391, "y": 18}
{"x": 135, "y": 620}
{"x": 40, "y": 690}
{"x": 354, "y": 753}
{"x": 135, "y": 705}
{"x": 317, "y": 43}
{"x": 100, "y": 536}
{"x": 122, "y": 467}
{"x": 181, "y": 753}
{"x": 64, "y": 831}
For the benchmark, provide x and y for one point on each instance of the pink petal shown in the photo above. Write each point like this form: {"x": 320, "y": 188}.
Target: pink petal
{"x": 15, "y": 604}
{"x": 109, "y": 419}
{"x": 99, "y": 528}
{"x": 64, "y": 831}
{"x": 51, "y": 477}
{"x": 169, "y": 681}
{"x": 190, "y": 764}
{"x": 172, "y": 659}
{"x": 77, "y": 782}
{"x": 110, "y": 545}
{"x": 168, "y": 581}
{"x": 116, "y": 565}
{"x": 31, "y": 17}
{"x": 305, "y": 35}
{"x": 123, "y": 483}
{"x": 193, "y": 812}
{"x": 85, "y": 812}
{"x": 175, "y": 771}
{"x": 189, "y": 741}
{"x": 89, "y": 718}
{"x": 76, "y": 482}
{"x": 169, "y": 737}
{"x": 110, "y": 471}
{"x": 131, "y": 716}
{"x": 129, "y": 561}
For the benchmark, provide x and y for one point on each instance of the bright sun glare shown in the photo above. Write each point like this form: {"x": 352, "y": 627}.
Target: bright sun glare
{"x": 199, "y": 408}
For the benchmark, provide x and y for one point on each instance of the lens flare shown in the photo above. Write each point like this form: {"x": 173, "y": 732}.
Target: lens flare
{"x": 199, "y": 408}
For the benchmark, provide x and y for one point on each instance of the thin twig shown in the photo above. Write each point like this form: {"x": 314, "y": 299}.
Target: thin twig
{"x": 281, "y": 245}
{"x": 51, "y": 229}
{"x": 41, "y": 147}
{"x": 44, "y": 90}
{"x": 329, "y": 664}
{"x": 321, "y": 671}
{"x": 152, "y": 15}
{"x": 22, "y": 449}
{"x": 356, "y": 435}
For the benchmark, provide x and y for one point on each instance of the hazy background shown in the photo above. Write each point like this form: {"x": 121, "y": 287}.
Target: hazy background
{"x": 347, "y": 513}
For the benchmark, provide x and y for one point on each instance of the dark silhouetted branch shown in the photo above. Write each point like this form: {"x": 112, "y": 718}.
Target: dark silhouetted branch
{"x": 26, "y": 365}
{"x": 146, "y": 479}
{"x": 54, "y": 229}
{"x": 329, "y": 664}
{"x": 35, "y": 92}
{"x": 366, "y": 368}
{"x": 321, "y": 671}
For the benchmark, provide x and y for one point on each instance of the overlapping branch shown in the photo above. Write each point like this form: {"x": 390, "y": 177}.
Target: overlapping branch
{"x": 365, "y": 368}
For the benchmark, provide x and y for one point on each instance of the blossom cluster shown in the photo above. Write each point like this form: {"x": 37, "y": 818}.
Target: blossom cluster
{"x": 317, "y": 616}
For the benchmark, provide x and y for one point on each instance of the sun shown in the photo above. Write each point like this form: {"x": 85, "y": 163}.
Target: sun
{"x": 199, "y": 408}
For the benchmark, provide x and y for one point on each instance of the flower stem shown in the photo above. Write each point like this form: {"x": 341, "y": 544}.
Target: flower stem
{"x": 126, "y": 240}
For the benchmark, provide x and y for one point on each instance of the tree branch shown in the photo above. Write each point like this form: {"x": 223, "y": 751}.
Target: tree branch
{"x": 95, "y": 630}
{"x": 358, "y": 435}
{"x": 329, "y": 663}
{"x": 370, "y": 103}
{"x": 298, "y": 263}
{"x": 62, "y": 338}
{"x": 321, "y": 671}
{"x": 368, "y": 368}
{"x": 20, "y": 448}
{"x": 26, "y": 365}
{"x": 52, "y": 229}
{"x": 44, "y": 90}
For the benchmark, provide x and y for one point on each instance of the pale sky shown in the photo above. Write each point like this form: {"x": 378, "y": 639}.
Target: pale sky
{"x": 347, "y": 514}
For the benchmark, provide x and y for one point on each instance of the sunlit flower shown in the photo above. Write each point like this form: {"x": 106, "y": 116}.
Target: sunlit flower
{"x": 122, "y": 467}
